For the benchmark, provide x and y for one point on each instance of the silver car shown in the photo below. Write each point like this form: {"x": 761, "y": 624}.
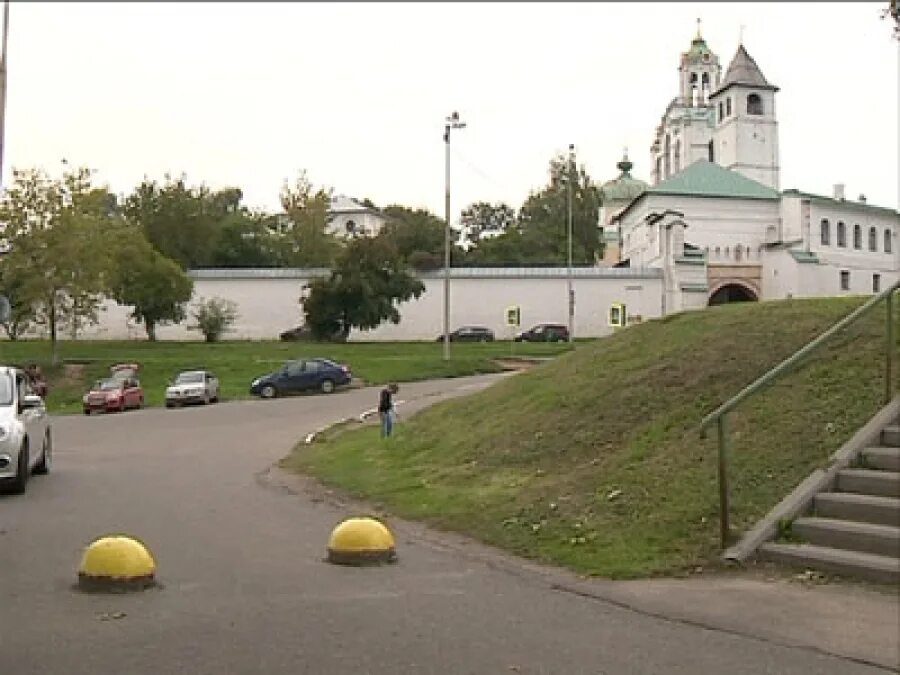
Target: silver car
{"x": 192, "y": 386}
{"x": 26, "y": 445}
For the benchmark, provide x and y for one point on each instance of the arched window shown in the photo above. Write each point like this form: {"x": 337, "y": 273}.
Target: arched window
{"x": 754, "y": 105}
{"x": 857, "y": 236}
{"x": 841, "y": 233}
{"x": 873, "y": 239}
{"x": 825, "y": 232}
{"x": 721, "y": 111}
{"x": 712, "y": 154}
{"x": 677, "y": 156}
{"x": 728, "y": 107}
{"x": 704, "y": 88}
{"x": 738, "y": 250}
{"x": 887, "y": 241}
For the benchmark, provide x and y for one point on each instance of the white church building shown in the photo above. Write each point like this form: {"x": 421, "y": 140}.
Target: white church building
{"x": 714, "y": 218}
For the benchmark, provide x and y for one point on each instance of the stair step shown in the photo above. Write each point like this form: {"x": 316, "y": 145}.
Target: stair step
{"x": 882, "y": 458}
{"x": 880, "y": 568}
{"x": 869, "y": 482}
{"x": 850, "y": 535}
{"x": 891, "y": 435}
{"x": 863, "y": 508}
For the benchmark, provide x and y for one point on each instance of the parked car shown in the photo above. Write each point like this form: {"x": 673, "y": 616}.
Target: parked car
{"x": 544, "y": 332}
{"x": 192, "y": 386}
{"x": 114, "y": 394}
{"x": 302, "y": 375}
{"x": 26, "y": 445}
{"x": 469, "y": 334}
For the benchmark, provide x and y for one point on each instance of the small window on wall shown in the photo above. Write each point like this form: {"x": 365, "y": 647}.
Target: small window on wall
{"x": 876, "y": 283}
{"x": 857, "y": 236}
{"x": 825, "y": 234}
{"x": 845, "y": 280}
{"x": 754, "y": 105}
{"x": 721, "y": 111}
{"x": 728, "y": 107}
{"x": 841, "y": 234}
{"x": 873, "y": 239}
{"x": 887, "y": 241}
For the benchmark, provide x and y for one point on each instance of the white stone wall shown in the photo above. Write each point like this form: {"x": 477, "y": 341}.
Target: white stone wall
{"x": 268, "y": 302}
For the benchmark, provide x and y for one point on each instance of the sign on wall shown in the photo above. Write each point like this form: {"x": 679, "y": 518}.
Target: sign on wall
{"x": 617, "y": 314}
{"x": 514, "y": 316}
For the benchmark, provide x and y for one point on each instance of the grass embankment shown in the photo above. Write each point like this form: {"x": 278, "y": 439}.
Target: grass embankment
{"x": 594, "y": 461}
{"x": 237, "y": 363}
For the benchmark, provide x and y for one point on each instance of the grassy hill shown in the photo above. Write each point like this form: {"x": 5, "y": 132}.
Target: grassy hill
{"x": 594, "y": 460}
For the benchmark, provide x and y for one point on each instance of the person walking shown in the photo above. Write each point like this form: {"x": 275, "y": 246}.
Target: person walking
{"x": 386, "y": 409}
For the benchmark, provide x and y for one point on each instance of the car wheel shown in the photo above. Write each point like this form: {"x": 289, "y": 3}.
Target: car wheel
{"x": 87, "y": 411}
{"x": 169, "y": 404}
{"x": 43, "y": 466}
{"x": 17, "y": 486}
{"x": 140, "y": 403}
{"x": 327, "y": 386}
{"x": 206, "y": 398}
{"x": 268, "y": 391}
{"x": 123, "y": 407}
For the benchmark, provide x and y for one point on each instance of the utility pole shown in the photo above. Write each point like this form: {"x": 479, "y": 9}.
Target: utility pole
{"x": 571, "y": 290}
{"x": 3, "y": 87}
{"x": 452, "y": 122}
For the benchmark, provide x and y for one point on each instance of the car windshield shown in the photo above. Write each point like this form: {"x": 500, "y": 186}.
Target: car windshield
{"x": 109, "y": 385}
{"x": 188, "y": 378}
{"x": 6, "y": 390}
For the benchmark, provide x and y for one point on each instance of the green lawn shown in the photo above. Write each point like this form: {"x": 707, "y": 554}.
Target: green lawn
{"x": 237, "y": 363}
{"x": 594, "y": 461}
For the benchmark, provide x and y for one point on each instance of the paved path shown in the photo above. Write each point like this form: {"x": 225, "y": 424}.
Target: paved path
{"x": 245, "y": 590}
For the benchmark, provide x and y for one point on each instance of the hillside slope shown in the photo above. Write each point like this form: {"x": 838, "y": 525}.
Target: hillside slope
{"x": 594, "y": 461}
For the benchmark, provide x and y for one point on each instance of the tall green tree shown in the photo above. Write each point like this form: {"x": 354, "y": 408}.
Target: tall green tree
{"x": 154, "y": 286}
{"x": 369, "y": 280}
{"x": 308, "y": 243}
{"x": 543, "y": 218}
{"x": 182, "y": 222}
{"x": 55, "y": 228}
{"x": 416, "y": 234}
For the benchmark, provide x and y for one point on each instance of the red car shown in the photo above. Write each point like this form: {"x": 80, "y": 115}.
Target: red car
{"x": 118, "y": 393}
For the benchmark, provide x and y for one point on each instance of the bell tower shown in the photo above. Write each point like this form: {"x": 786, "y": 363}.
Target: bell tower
{"x": 699, "y": 73}
{"x": 745, "y": 138}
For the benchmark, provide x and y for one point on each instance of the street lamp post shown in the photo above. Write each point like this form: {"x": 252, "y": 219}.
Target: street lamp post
{"x": 452, "y": 122}
{"x": 3, "y": 86}
{"x": 571, "y": 291}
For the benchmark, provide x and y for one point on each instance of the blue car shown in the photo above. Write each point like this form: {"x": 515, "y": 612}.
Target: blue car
{"x": 302, "y": 375}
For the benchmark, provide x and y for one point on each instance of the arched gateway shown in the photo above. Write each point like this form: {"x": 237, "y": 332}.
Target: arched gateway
{"x": 732, "y": 293}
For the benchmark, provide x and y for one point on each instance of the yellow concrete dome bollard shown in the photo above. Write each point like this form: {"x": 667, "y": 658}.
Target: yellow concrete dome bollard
{"x": 116, "y": 563}
{"x": 361, "y": 541}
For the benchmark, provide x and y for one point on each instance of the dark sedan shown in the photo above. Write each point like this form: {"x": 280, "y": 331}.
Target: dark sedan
{"x": 302, "y": 375}
{"x": 469, "y": 334}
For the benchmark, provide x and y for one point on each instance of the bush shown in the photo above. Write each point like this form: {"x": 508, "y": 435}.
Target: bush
{"x": 214, "y": 317}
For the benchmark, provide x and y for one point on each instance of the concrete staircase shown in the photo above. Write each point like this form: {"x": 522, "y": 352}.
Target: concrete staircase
{"x": 853, "y": 525}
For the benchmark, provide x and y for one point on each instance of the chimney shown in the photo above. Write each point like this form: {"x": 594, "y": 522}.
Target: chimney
{"x": 862, "y": 199}
{"x": 839, "y": 191}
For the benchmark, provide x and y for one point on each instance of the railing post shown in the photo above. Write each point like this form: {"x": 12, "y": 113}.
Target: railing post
{"x": 889, "y": 350}
{"x": 724, "y": 528}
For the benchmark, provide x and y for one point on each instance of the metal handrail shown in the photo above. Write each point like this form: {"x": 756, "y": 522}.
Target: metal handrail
{"x": 719, "y": 414}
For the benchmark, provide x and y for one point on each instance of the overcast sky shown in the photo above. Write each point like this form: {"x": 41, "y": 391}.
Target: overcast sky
{"x": 247, "y": 94}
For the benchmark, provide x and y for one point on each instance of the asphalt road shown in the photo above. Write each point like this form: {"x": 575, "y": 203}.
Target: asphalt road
{"x": 244, "y": 589}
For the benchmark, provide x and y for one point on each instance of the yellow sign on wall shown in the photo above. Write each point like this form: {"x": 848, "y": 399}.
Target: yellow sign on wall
{"x": 514, "y": 316}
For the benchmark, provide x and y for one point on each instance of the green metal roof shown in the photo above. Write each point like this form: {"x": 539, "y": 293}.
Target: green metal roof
{"x": 838, "y": 202}
{"x": 804, "y": 256}
{"x": 707, "y": 179}
{"x": 625, "y": 187}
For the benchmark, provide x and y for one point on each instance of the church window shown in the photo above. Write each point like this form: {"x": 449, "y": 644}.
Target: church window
{"x": 887, "y": 241}
{"x": 754, "y": 105}
{"x": 704, "y": 86}
{"x": 712, "y": 154}
{"x": 667, "y": 156}
{"x": 677, "y": 156}
{"x": 658, "y": 168}
{"x": 721, "y": 111}
{"x": 845, "y": 280}
{"x": 857, "y": 236}
{"x": 876, "y": 283}
{"x": 738, "y": 250}
{"x": 728, "y": 107}
{"x": 841, "y": 233}
{"x": 693, "y": 89}
{"x": 825, "y": 232}
{"x": 873, "y": 239}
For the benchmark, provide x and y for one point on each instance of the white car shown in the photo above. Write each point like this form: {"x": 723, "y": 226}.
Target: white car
{"x": 192, "y": 386}
{"x": 26, "y": 445}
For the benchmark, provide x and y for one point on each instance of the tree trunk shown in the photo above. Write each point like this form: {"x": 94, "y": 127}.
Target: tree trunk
{"x": 150, "y": 327}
